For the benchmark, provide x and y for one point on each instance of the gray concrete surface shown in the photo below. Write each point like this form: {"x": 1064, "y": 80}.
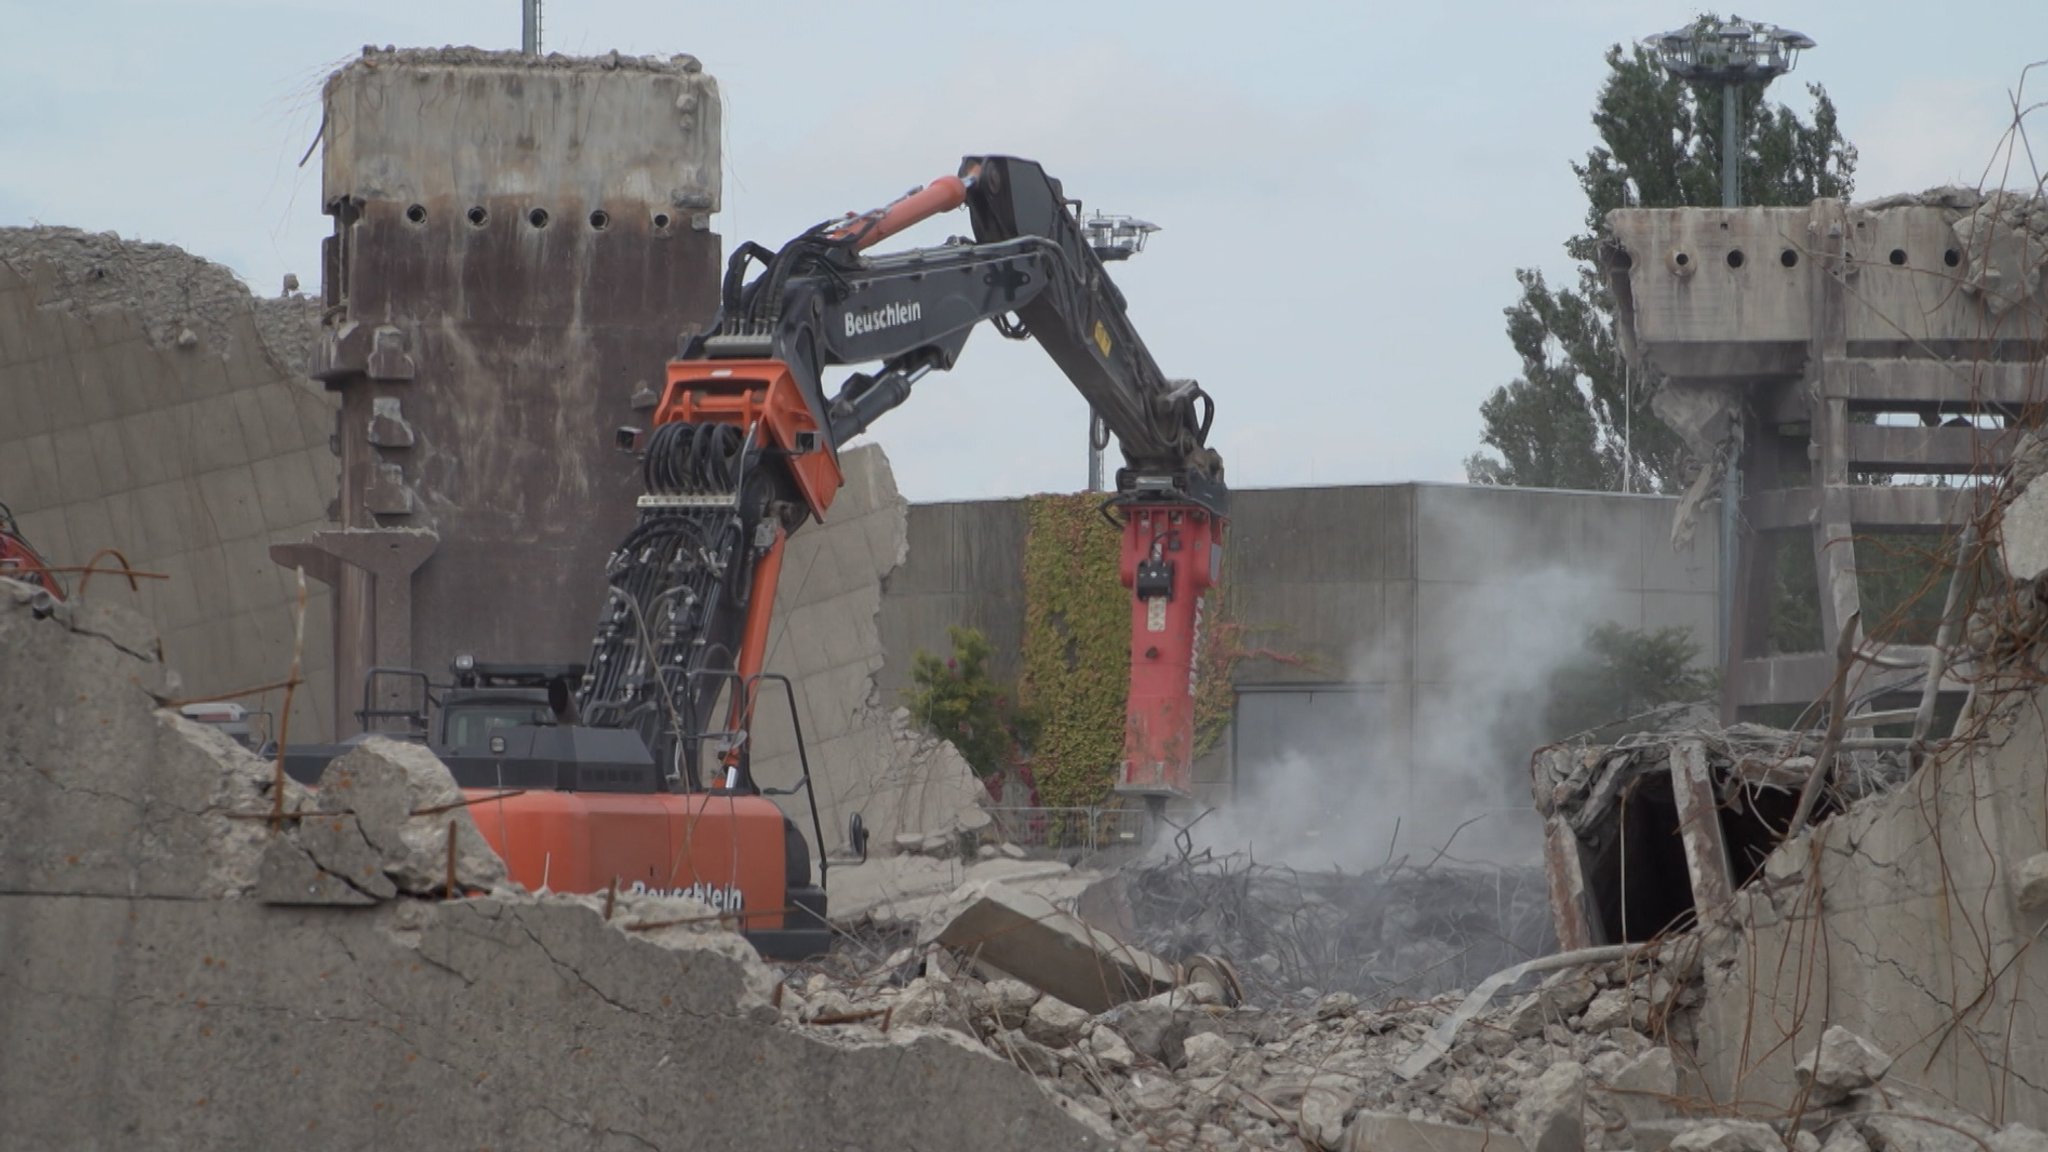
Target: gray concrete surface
{"x": 190, "y": 458}
{"x": 147, "y": 1001}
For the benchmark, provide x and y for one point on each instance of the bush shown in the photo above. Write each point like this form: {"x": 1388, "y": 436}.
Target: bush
{"x": 956, "y": 700}
{"x": 1624, "y": 672}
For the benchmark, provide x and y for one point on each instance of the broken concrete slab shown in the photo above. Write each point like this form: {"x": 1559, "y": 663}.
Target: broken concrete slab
{"x": 1029, "y": 938}
{"x": 130, "y": 840}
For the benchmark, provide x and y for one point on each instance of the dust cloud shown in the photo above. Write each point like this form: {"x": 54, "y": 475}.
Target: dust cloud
{"x": 1445, "y": 771}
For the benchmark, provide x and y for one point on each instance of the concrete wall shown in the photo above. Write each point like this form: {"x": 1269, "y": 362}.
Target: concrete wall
{"x": 1424, "y": 598}
{"x": 144, "y": 407}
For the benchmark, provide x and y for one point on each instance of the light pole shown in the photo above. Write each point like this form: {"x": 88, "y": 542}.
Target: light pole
{"x": 1112, "y": 238}
{"x": 1733, "y": 53}
{"x": 529, "y": 27}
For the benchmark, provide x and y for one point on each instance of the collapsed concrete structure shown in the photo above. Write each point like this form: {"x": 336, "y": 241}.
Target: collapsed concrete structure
{"x": 179, "y": 968}
{"x": 156, "y": 409}
{"x": 1827, "y": 363}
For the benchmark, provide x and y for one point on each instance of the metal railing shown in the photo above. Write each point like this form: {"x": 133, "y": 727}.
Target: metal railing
{"x": 1076, "y": 831}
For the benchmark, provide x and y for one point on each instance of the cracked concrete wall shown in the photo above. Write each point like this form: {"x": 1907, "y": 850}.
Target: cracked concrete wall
{"x": 827, "y": 640}
{"x": 153, "y": 407}
{"x": 1899, "y": 920}
{"x": 149, "y": 997}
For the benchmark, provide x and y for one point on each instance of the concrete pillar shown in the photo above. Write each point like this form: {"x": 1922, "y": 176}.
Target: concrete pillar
{"x": 519, "y": 245}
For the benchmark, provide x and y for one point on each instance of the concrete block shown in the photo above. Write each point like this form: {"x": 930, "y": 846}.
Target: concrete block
{"x": 1024, "y": 936}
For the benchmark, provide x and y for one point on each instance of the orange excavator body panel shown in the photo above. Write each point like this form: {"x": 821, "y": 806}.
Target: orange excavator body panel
{"x": 763, "y": 397}
{"x": 724, "y": 850}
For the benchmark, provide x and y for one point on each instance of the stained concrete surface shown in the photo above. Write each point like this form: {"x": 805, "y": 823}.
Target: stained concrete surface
{"x": 147, "y": 1001}
{"x": 155, "y": 408}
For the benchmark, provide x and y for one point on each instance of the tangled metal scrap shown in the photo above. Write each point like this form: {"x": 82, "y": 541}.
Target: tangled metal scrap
{"x": 1399, "y": 931}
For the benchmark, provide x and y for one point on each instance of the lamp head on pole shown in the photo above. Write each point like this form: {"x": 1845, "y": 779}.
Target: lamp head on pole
{"x": 1731, "y": 50}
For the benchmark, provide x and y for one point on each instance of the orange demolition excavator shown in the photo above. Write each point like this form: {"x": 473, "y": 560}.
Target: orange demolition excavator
{"x": 742, "y": 451}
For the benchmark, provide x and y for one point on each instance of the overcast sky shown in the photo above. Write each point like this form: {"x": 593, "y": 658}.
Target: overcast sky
{"x": 1346, "y": 189}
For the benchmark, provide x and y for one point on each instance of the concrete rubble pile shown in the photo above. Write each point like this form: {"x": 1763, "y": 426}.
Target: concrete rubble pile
{"x": 1406, "y": 929}
{"x": 1588, "y": 1059}
{"x": 181, "y": 968}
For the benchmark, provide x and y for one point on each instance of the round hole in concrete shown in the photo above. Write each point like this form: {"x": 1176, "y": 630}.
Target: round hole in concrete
{"x": 1789, "y": 258}
{"x": 600, "y": 220}
{"x": 661, "y": 221}
{"x": 1622, "y": 261}
{"x": 417, "y": 214}
{"x": 1898, "y": 257}
{"x": 1951, "y": 257}
{"x": 538, "y": 217}
{"x": 1682, "y": 259}
{"x": 478, "y": 217}
{"x": 1735, "y": 257}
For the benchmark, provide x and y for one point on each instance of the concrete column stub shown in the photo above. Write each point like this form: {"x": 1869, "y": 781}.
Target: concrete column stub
{"x": 389, "y": 557}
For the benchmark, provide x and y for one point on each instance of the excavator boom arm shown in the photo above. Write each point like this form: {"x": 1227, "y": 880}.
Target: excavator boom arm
{"x": 746, "y": 438}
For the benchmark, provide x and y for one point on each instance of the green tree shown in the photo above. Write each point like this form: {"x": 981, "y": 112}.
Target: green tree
{"x": 1624, "y": 672}
{"x": 955, "y": 699}
{"x": 1573, "y": 416}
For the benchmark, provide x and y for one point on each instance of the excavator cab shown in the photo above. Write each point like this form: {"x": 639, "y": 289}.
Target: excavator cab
{"x": 574, "y": 808}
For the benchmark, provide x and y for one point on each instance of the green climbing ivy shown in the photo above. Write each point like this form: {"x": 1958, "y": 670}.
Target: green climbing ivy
{"x": 1077, "y": 658}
